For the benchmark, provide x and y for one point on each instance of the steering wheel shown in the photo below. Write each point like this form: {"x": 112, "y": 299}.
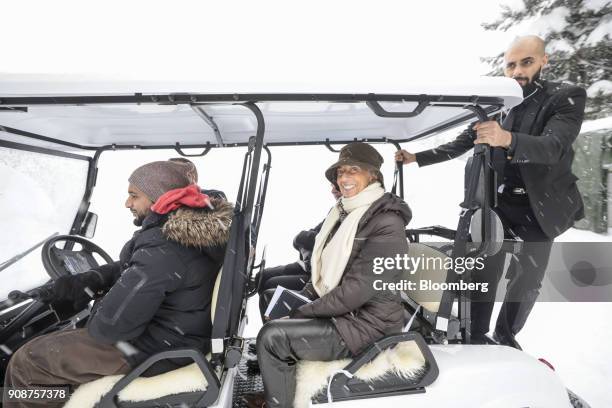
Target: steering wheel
{"x": 59, "y": 262}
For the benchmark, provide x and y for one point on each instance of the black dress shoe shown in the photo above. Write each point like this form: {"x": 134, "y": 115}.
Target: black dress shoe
{"x": 506, "y": 340}
{"x": 253, "y": 367}
{"x": 255, "y": 400}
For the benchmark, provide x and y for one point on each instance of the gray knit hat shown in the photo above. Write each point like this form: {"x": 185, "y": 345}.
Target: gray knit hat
{"x": 193, "y": 172}
{"x": 156, "y": 178}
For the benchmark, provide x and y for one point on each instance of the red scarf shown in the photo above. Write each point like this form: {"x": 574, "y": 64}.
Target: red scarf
{"x": 190, "y": 196}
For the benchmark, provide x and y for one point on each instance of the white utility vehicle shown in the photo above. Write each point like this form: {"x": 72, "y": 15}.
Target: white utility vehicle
{"x": 432, "y": 364}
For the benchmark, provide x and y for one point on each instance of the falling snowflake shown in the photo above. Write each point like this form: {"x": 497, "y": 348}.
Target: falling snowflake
{"x": 532, "y": 260}
{"x": 6, "y": 350}
{"x": 126, "y": 348}
{"x": 222, "y": 225}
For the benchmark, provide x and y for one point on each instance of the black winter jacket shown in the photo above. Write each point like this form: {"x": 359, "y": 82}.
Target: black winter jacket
{"x": 161, "y": 287}
{"x": 361, "y": 313}
{"x": 542, "y": 149}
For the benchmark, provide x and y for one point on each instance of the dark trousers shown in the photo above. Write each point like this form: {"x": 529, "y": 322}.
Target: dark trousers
{"x": 283, "y": 342}
{"x": 66, "y": 358}
{"x": 290, "y": 276}
{"x": 525, "y": 273}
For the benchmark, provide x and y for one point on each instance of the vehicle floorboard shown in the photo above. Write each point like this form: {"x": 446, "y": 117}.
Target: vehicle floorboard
{"x": 248, "y": 379}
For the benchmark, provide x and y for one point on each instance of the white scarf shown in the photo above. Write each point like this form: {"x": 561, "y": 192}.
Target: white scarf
{"x": 328, "y": 262}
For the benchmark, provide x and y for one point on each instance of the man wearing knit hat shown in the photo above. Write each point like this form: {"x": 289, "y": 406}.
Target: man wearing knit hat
{"x": 151, "y": 181}
{"x": 156, "y": 297}
{"x": 193, "y": 175}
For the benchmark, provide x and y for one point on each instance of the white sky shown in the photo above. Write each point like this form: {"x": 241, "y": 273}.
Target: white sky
{"x": 313, "y": 41}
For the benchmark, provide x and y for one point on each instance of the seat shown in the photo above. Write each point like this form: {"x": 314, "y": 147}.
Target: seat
{"x": 395, "y": 364}
{"x": 184, "y": 380}
{"x": 405, "y": 362}
{"x": 428, "y": 299}
{"x": 406, "y": 367}
{"x": 428, "y": 302}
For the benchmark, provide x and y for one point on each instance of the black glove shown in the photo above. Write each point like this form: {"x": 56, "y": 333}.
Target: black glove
{"x": 64, "y": 288}
{"x": 296, "y": 314}
{"x": 78, "y": 289}
{"x": 305, "y": 240}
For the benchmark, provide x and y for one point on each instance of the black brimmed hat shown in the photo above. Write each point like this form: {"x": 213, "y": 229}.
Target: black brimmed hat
{"x": 357, "y": 154}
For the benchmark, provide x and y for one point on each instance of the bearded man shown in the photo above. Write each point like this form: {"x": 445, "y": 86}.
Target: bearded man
{"x": 537, "y": 196}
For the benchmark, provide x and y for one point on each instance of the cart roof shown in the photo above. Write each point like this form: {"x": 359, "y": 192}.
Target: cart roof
{"x": 91, "y": 113}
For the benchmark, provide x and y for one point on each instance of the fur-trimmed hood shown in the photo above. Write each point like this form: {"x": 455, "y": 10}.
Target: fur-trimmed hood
{"x": 200, "y": 227}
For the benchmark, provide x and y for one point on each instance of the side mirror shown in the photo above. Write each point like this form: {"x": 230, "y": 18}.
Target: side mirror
{"x": 88, "y": 228}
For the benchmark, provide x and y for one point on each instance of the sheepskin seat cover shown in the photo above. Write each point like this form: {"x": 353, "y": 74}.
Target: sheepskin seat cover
{"x": 404, "y": 360}
{"x": 184, "y": 379}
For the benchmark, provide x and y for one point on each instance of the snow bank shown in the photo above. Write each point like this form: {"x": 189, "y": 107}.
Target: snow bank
{"x": 603, "y": 85}
{"x": 572, "y": 337}
{"x": 597, "y": 124}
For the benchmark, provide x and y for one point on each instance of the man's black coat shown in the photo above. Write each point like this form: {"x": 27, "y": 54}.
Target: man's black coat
{"x": 160, "y": 291}
{"x": 542, "y": 149}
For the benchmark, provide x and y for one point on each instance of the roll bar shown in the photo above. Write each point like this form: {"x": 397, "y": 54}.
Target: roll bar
{"x": 480, "y": 165}
{"x": 240, "y": 252}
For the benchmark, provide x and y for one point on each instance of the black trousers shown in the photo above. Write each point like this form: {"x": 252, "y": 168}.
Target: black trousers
{"x": 290, "y": 276}
{"x": 525, "y": 273}
{"x": 283, "y": 342}
{"x": 285, "y": 275}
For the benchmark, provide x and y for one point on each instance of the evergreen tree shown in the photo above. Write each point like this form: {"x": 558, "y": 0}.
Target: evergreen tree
{"x": 577, "y": 34}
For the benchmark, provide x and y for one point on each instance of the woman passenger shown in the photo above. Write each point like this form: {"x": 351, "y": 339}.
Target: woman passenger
{"x": 347, "y": 314}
